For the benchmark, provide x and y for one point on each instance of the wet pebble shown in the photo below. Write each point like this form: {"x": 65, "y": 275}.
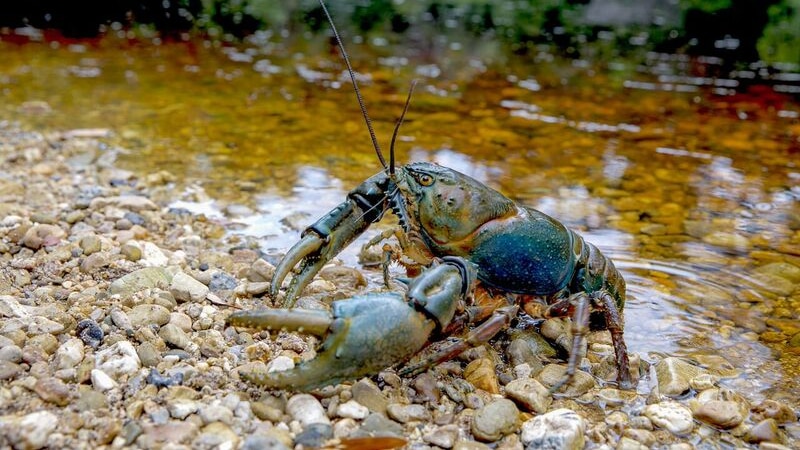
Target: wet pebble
{"x": 771, "y": 409}
{"x": 495, "y": 420}
{"x": 765, "y": 431}
{"x": 553, "y": 374}
{"x": 674, "y": 374}
{"x": 481, "y": 374}
{"x": 557, "y": 429}
{"x": 671, "y": 416}
{"x": 719, "y": 413}
{"x": 306, "y": 409}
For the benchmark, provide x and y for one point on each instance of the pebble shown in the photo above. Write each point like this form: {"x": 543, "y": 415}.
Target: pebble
{"x": 145, "y": 278}
{"x": 262, "y": 442}
{"x": 148, "y": 314}
{"x": 719, "y": 413}
{"x": 90, "y": 333}
{"x": 53, "y": 390}
{"x": 9, "y": 370}
{"x": 530, "y": 394}
{"x": 443, "y": 436}
{"x": 118, "y": 360}
{"x": 42, "y": 235}
{"x": 31, "y": 431}
{"x": 216, "y": 435}
{"x": 101, "y": 381}
{"x": 306, "y": 409}
{"x": 216, "y": 413}
{"x": 90, "y": 244}
{"x": 552, "y": 374}
{"x": 672, "y": 416}
{"x": 557, "y": 429}
{"x": 408, "y": 413}
{"x": 185, "y": 288}
{"x": 771, "y": 409}
{"x": 764, "y": 431}
{"x": 314, "y": 435}
{"x": 378, "y": 425}
{"x": 69, "y": 354}
{"x": 481, "y": 374}
{"x": 674, "y": 375}
{"x": 11, "y": 353}
{"x": 353, "y": 410}
{"x": 495, "y": 420}
{"x": 174, "y": 336}
{"x": 366, "y": 393}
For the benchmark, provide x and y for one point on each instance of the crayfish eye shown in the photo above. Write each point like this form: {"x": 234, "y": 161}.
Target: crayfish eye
{"x": 425, "y": 179}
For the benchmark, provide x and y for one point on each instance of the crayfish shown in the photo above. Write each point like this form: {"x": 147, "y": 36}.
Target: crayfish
{"x": 473, "y": 235}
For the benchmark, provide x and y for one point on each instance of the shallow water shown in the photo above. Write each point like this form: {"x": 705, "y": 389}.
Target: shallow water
{"x": 688, "y": 182}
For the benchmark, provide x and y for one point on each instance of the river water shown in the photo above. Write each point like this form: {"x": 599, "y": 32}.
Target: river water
{"x": 687, "y": 180}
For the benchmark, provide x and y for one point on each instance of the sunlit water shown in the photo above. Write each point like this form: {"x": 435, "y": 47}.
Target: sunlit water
{"x": 687, "y": 181}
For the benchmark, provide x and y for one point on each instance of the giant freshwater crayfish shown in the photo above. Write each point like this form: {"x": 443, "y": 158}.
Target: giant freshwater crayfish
{"x": 522, "y": 258}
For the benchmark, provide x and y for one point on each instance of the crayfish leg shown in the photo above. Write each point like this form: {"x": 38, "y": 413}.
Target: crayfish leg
{"x": 579, "y": 305}
{"x": 614, "y": 324}
{"x": 480, "y": 335}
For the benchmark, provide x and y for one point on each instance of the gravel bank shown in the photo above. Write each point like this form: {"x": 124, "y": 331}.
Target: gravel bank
{"x": 112, "y": 333}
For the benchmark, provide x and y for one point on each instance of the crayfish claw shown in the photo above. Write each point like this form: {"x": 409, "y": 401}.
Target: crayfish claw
{"x": 312, "y": 321}
{"x": 305, "y": 247}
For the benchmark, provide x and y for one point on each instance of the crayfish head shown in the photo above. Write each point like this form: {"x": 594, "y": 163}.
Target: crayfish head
{"x": 446, "y": 206}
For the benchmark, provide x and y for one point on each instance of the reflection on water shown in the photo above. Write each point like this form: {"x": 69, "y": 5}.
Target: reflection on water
{"x": 687, "y": 181}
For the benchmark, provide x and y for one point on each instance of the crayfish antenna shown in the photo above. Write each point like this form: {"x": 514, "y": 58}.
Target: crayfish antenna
{"x": 355, "y": 86}
{"x": 397, "y": 128}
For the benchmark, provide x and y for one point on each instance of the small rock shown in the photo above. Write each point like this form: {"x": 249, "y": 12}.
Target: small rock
{"x": 117, "y": 360}
{"x": 42, "y": 235}
{"x": 69, "y": 354}
{"x": 427, "y": 387}
{"x": 557, "y": 429}
{"x": 771, "y": 409}
{"x": 314, "y": 435}
{"x": 148, "y": 354}
{"x": 91, "y": 400}
{"x": 553, "y": 374}
{"x": 221, "y": 281}
{"x": 131, "y": 252}
{"x": 719, "y": 413}
{"x": 673, "y": 375}
{"x": 408, "y": 413}
{"x": 9, "y": 370}
{"x": 307, "y": 410}
{"x": 216, "y": 435}
{"x": 11, "y": 353}
{"x": 353, "y": 410}
{"x": 101, "y": 381}
{"x": 174, "y": 336}
{"x": 495, "y": 420}
{"x": 443, "y": 437}
{"x": 156, "y": 379}
{"x": 366, "y": 393}
{"x": 262, "y": 442}
{"x": 671, "y": 416}
{"x": 185, "y": 288}
{"x": 764, "y": 431}
{"x": 261, "y": 271}
{"x": 378, "y": 425}
{"x": 530, "y": 394}
{"x": 31, "y": 431}
{"x": 520, "y": 352}
{"x": 145, "y": 278}
{"x": 53, "y": 390}
{"x": 727, "y": 240}
{"x": 90, "y": 333}
{"x": 129, "y": 202}
{"x": 148, "y": 314}
{"x": 481, "y": 374}
{"x": 216, "y": 413}
{"x": 94, "y": 262}
{"x": 90, "y": 244}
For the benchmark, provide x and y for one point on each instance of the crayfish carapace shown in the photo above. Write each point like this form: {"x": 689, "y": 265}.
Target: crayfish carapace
{"x": 524, "y": 257}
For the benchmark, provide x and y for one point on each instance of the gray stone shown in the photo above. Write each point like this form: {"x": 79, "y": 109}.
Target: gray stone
{"x": 408, "y": 413}
{"x": 306, "y": 409}
{"x": 495, "y": 420}
{"x": 674, "y": 374}
{"x": 145, "y": 278}
{"x": 148, "y": 314}
{"x": 31, "y": 431}
{"x": 366, "y": 393}
{"x": 553, "y": 374}
{"x": 174, "y": 336}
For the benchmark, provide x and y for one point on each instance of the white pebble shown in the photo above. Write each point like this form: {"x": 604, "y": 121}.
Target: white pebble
{"x": 119, "y": 359}
{"x": 353, "y": 410}
{"x": 70, "y": 353}
{"x": 671, "y": 416}
{"x": 307, "y": 410}
{"x": 101, "y": 381}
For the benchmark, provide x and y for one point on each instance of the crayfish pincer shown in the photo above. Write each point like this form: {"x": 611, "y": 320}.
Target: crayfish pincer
{"x": 365, "y": 334}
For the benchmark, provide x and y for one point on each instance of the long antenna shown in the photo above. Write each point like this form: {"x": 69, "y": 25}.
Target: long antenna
{"x": 355, "y": 86}
{"x": 397, "y": 128}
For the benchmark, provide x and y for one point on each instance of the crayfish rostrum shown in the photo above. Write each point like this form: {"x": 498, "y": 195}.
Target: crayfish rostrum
{"x": 523, "y": 258}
